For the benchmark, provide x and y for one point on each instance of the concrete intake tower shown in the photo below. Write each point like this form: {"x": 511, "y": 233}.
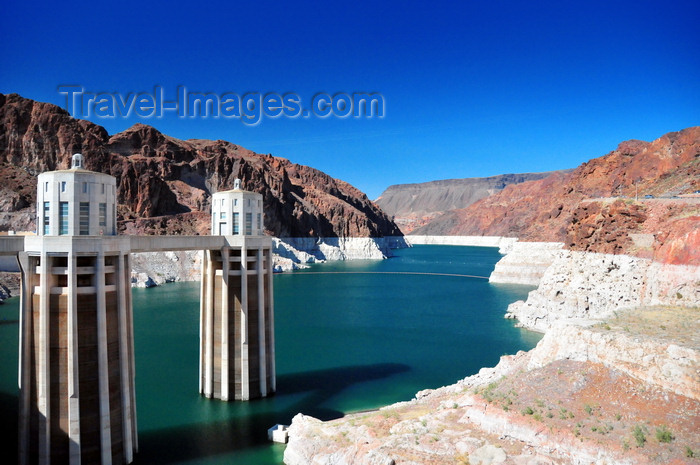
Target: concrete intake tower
{"x": 77, "y": 403}
{"x": 76, "y": 332}
{"x": 237, "y": 354}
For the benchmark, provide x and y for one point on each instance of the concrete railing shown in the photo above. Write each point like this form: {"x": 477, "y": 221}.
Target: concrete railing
{"x": 12, "y": 245}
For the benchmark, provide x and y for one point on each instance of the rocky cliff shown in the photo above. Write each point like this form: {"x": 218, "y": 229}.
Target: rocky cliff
{"x": 165, "y": 184}
{"x": 568, "y": 401}
{"x": 593, "y": 208}
{"x": 413, "y": 205}
{"x": 525, "y": 263}
{"x": 613, "y": 381}
{"x": 583, "y": 286}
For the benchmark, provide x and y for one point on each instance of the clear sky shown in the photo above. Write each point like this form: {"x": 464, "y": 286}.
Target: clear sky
{"x": 471, "y": 88}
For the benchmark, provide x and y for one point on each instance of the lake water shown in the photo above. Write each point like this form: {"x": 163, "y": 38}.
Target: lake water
{"x": 344, "y": 342}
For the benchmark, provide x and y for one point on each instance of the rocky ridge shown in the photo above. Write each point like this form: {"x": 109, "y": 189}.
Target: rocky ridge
{"x": 592, "y": 208}
{"x": 164, "y": 184}
{"x": 413, "y": 205}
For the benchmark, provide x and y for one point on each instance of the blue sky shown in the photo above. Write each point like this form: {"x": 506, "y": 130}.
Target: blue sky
{"x": 471, "y": 88}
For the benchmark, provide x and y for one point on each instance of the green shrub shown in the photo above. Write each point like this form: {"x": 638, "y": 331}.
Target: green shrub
{"x": 639, "y": 436}
{"x": 663, "y": 434}
{"x": 528, "y": 411}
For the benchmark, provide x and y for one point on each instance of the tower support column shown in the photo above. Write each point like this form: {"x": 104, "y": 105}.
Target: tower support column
{"x": 73, "y": 363}
{"x": 235, "y": 332}
{"x": 76, "y": 352}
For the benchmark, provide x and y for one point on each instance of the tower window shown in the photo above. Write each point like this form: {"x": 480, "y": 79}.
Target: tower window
{"x": 236, "y": 228}
{"x": 47, "y": 206}
{"x": 222, "y": 215}
{"x": 103, "y": 188}
{"x": 63, "y": 186}
{"x": 84, "y": 218}
{"x": 63, "y": 218}
{"x": 85, "y": 188}
{"x": 248, "y": 224}
{"x": 46, "y": 186}
{"x": 103, "y": 214}
{"x": 259, "y": 221}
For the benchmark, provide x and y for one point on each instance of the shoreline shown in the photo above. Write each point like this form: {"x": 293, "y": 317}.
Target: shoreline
{"x": 290, "y": 253}
{"x": 581, "y": 335}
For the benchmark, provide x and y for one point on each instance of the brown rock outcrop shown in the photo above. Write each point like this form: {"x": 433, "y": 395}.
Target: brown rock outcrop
{"x": 572, "y": 207}
{"x": 164, "y": 184}
{"x": 413, "y": 205}
{"x": 604, "y": 227}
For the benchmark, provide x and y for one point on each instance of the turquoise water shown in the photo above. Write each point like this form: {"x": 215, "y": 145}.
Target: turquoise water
{"x": 345, "y": 342}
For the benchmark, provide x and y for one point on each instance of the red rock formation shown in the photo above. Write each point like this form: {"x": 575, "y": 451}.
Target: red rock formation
{"x": 604, "y": 227}
{"x": 560, "y": 207}
{"x": 165, "y": 183}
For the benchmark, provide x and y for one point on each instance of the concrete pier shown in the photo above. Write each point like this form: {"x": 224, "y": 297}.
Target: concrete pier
{"x": 236, "y": 309}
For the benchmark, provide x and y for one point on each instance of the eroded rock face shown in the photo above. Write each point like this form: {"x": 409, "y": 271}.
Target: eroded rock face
{"x": 668, "y": 366}
{"x": 581, "y": 286}
{"x": 562, "y": 207}
{"x": 545, "y": 406}
{"x": 604, "y": 227}
{"x": 413, "y": 205}
{"x": 165, "y": 184}
{"x": 525, "y": 263}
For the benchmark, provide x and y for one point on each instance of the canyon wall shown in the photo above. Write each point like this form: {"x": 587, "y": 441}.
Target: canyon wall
{"x": 638, "y": 188}
{"x": 165, "y": 184}
{"x": 620, "y": 350}
{"x": 589, "y": 286}
{"x": 413, "y": 205}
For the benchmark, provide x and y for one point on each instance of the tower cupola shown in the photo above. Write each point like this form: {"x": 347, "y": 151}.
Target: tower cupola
{"x": 76, "y": 202}
{"x": 237, "y": 212}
